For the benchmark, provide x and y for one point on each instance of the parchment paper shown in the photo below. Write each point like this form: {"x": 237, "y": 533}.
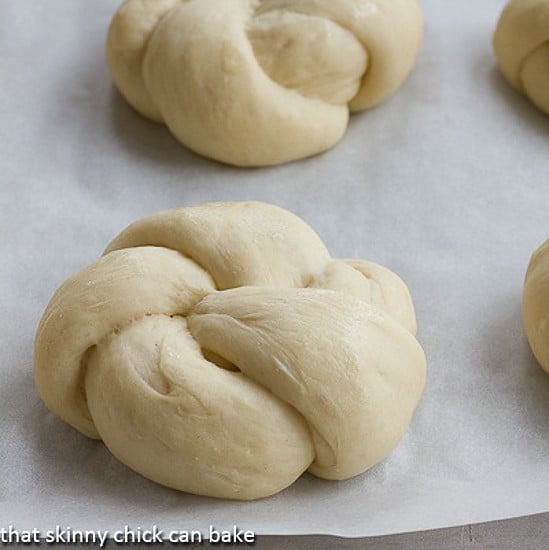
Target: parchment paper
{"x": 447, "y": 183}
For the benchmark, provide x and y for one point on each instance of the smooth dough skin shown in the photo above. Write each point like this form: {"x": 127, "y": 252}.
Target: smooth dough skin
{"x": 521, "y": 43}
{"x": 221, "y": 351}
{"x": 535, "y": 305}
{"x": 261, "y": 82}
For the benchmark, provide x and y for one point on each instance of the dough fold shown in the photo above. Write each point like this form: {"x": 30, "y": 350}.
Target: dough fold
{"x": 220, "y": 350}
{"x": 353, "y": 387}
{"x": 260, "y": 82}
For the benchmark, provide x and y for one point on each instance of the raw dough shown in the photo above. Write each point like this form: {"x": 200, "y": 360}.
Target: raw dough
{"x": 220, "y": 350}
{"x": 535, "y": 305}
{"x": 521, "y": 43}
{"x": 254, "y": 83}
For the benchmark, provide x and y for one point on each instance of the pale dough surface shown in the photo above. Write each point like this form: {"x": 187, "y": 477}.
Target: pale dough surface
{"x": 220, "y": 350}
{"x": 536, "y": 304}
{"x": 255, "y": 83}
{"x": 521, "y": 43}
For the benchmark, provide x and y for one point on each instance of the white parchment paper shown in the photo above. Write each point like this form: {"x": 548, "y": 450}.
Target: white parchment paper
{"x": 447, "y": 184}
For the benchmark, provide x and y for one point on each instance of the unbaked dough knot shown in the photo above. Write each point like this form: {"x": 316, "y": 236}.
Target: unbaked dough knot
{"x": 254, "y": 83}
{"x": 220, "y": 350}
{"x": 521, "y": 43}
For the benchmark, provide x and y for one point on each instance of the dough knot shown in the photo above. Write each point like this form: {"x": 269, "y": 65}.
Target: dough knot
{"x": 220, "y": 350}
{"x": 254, "y": 83}
{"x": 521, "y": 43}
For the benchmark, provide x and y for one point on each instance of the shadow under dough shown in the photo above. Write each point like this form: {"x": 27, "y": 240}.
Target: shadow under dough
{"x": 148, "y": 139}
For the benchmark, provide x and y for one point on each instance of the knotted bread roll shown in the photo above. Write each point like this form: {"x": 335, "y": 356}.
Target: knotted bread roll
{"x": 260, "y": 82}
{"x": 220, "y": 350}
{"x": 535, "y": 305}
{"x": 521, "y": 43}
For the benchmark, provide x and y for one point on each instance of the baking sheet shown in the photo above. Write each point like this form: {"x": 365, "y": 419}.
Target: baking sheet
{"x": 447, "y": 184}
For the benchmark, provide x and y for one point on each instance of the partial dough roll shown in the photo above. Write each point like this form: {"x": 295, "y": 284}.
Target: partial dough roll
{"x": 220, "y": 350}
{"x": 260, "y": 82}
{"x": 521, "y": 43}
{"x": 535, "y": 305}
